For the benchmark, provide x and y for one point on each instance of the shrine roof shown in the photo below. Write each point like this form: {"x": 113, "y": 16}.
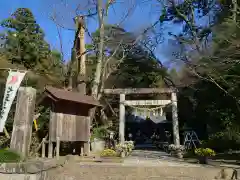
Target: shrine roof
{"x": 61, "y": 94}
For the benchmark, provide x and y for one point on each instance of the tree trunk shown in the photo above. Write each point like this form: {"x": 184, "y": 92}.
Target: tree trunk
{"x": 98, "y": 72}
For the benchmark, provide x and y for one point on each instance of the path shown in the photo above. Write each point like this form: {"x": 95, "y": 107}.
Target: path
{"x": 127, "y": 171}
{"x": 154, "y": 158}
{"x": 141, "y": 165}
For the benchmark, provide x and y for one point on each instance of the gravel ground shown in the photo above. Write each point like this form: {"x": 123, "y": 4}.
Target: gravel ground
{"x": 141, "y": 165}
{"x": 76, "y": 171}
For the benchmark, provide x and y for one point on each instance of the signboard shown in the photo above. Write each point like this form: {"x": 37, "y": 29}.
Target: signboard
{"x": 13, "y": 83}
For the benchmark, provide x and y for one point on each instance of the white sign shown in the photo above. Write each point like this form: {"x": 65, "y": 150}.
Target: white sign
{"x": 13, "y": 82}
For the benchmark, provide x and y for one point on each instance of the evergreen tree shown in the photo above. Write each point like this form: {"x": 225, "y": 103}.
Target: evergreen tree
{"x": 23, "y": 41}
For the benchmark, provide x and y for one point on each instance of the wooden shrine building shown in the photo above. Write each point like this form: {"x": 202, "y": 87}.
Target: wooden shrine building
{"x": 69, "y": 117}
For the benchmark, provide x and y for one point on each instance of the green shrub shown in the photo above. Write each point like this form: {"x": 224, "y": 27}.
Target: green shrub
{"x": 223, "y": 141}
{"x": 99, "y": 133}
{"x": 204, "y": 152}
{"x": 7, "y": 155}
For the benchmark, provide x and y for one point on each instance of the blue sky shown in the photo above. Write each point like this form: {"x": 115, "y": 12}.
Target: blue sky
{"x": 142, "y": 15}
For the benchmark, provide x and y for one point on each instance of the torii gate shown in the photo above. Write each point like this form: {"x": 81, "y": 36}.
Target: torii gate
{"x": 123, "y": 103}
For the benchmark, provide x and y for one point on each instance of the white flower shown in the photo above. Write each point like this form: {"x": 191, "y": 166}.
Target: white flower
{"x": 173, "y": 147}
{"x": 126, "y": 147}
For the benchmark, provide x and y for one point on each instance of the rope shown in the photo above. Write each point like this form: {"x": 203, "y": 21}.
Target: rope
{"x": 148, "y": 109}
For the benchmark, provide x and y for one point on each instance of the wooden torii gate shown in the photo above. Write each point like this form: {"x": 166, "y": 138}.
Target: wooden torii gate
{"x": 123, "y": 103}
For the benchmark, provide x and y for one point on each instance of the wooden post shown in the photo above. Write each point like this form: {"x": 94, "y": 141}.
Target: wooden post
{"x": 81, "y": 84}
{"x": 86, "y": 145}
{"x": 50, "y": 148}
{"x": 175, "y": 125}
{"x": 57, "y": 148}
{"x": 52, "y": 132}
{"x": 81, "y": 153}
{"x": 122, "y": 119}
{"x": 43, "y": 147}
{"x": 23, "y": 120}
{"x": 81, "y": 78}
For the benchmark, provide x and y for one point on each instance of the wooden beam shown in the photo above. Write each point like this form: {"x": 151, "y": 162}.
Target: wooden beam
{"x": 147, "y": 102}
{"x": 140, "y": 91}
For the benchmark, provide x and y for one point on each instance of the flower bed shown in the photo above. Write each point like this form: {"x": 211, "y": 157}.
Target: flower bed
{"x": 125, "y": 149}
{"x": 121, "y": 150}
{"x": 203, "y": 154}
{"x": 108, "y": 153}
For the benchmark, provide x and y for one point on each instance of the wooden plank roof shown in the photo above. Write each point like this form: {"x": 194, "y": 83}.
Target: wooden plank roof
{"x": 61, "y": 94}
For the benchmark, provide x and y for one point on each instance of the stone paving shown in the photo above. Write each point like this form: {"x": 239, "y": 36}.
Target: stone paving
{"x": 154, "y": 158}
{"x": 98, "y": 171}
{"x": 141, "y": 165}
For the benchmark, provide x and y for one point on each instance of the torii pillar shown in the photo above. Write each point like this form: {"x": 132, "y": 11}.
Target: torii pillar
{"x": 176, "y": 138}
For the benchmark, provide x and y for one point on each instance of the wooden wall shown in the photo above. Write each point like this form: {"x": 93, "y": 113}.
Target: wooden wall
{"x": 69, "y": 127}
{"x": 67, "y": 107}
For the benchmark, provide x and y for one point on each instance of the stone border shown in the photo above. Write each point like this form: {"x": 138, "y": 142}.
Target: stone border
{"x": 30, "y": 167}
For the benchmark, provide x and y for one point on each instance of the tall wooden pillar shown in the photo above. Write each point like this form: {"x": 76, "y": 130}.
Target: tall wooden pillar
{"x": 23, "y": 120}
{"x": 175, "y": 124}
{"x": 122, "y": 119}
{"x": 81, "y": 78}
{"x": 81, "y": 84}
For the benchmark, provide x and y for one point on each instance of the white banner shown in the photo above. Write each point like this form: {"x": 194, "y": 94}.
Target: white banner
{"x": 13, "y": 83}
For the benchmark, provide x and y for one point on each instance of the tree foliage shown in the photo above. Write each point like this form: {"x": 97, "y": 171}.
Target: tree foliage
{"x": 213, "y": 98}
{"x": 23, "y": 47}
{"x": 24, "y": 39}
{"x": 208, "y": 79}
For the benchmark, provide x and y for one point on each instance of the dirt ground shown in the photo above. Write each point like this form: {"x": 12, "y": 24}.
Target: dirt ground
{"x": 77, "y": 171}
